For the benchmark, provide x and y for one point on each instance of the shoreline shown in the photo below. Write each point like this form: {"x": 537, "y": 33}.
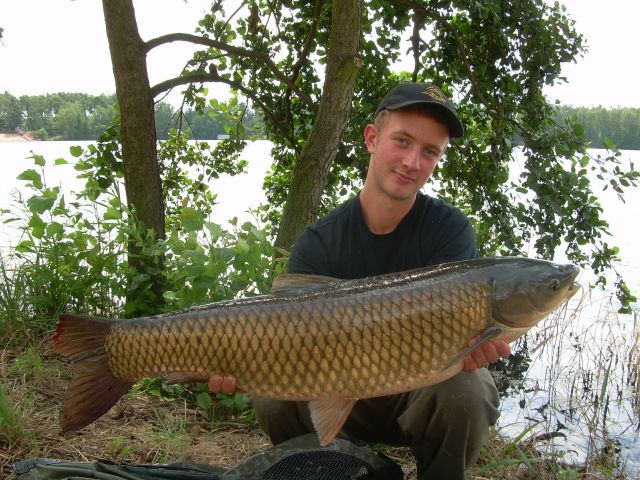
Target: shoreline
{"x": 14, "y": 137}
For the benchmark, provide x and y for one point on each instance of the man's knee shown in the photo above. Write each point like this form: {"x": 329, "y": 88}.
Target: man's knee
{"x": 470, "y": 395}
{"x": 467, "y": 401}
{"x": 281, "y": 420}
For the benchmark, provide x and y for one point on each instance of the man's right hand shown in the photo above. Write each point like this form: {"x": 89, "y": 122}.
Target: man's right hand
{"x": 223, "y": 384}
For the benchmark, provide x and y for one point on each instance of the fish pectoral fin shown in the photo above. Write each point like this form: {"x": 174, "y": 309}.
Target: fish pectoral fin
{"x": 486, "y": 335}
{"x": 328, "y": 416}
{"x": 293, "y": 283}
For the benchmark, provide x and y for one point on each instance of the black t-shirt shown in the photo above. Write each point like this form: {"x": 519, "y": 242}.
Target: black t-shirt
{"x": 341, "y": 245}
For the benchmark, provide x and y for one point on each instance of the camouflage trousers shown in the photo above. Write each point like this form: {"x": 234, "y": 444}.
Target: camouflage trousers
{"x": 445, "y": 424}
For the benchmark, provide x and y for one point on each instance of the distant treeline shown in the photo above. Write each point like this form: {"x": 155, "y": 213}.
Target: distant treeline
{"x": 78, "y": 116}
{"x": 620, "y": 125}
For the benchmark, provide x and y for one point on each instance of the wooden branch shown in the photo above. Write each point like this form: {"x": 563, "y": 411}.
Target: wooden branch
{"x": 233, "y": 50}
{"x": 214, "y": 77}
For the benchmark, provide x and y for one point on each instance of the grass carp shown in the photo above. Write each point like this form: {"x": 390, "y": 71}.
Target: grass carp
{"x": 315, "y": 338}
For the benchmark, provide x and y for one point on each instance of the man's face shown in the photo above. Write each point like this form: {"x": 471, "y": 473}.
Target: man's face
{"x": 404, "y": 150}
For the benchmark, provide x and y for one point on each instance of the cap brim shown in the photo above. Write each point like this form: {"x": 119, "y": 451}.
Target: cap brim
{"x": 456, "y": 130}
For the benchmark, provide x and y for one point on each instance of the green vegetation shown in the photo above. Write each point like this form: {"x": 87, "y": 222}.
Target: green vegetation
{"x": 79, "y": 116}
{"x": 604, "y": 127}
{"x": 12, "y": 425}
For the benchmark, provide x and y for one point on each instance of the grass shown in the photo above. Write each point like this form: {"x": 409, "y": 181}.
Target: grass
{"x": 12, "y": 423}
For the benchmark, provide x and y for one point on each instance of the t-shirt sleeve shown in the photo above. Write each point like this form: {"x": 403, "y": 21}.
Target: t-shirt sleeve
{"x": 309, "y": 255}
{"x": 455, "y": 239}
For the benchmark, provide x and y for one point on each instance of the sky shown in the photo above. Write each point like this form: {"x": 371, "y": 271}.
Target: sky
{"x": 53, "y": 46}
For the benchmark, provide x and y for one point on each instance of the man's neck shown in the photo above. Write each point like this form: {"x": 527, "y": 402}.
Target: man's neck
{"x": 383, "y": 214}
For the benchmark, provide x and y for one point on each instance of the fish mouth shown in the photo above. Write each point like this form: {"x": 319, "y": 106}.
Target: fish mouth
{"x": 573, "y": 289}
{"x": 575, "y": 286}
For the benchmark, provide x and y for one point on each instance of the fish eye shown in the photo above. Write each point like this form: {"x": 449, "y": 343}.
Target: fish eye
{"x": 555, "y": 284}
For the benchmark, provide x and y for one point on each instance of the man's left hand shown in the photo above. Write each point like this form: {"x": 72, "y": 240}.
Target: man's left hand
{"x": 487, "y": 353}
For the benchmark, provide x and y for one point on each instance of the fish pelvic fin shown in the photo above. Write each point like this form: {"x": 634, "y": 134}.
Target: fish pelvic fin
{"x": 328, "y": 416}
{"x": 93, "y": 389}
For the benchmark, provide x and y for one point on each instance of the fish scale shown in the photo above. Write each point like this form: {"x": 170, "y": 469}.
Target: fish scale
{"x": 324, "y": 340}
{"x": 218, "y": 343}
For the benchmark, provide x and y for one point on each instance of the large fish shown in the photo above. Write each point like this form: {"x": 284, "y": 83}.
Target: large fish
{"x": 317, "y": 338}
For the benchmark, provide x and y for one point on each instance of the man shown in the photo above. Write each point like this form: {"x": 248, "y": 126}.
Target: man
{"x": 391, "y": 226}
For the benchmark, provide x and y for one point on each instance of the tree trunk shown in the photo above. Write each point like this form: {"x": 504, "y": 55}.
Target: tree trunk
{"x": 137, "y": 126}
{"x": 313, "y": 166}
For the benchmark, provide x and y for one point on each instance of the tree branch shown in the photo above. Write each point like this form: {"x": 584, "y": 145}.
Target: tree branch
{"x": 215, "y": 77}
{"x": 239, "y": 51}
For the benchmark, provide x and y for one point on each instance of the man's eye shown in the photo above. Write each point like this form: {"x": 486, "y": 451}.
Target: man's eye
{"x": 430, "y": 152}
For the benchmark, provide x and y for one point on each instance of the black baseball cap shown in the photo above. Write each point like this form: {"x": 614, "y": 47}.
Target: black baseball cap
{"x": 411, "y": 93}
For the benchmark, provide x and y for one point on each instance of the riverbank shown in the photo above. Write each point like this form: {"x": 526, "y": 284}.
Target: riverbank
{"x": 15, "y": 137}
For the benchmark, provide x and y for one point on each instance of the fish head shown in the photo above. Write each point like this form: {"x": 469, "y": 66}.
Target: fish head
{"x": 524, "y": 295}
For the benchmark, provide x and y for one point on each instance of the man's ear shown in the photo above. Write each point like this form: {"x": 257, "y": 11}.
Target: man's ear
{"x": 370, "y": 132}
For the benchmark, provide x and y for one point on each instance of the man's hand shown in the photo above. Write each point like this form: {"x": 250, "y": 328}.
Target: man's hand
{"x": 224, "y": 384}
{"x": 487, "y": 353}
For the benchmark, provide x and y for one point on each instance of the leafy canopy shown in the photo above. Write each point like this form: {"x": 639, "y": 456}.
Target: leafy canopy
{"x": 523, "y": 176}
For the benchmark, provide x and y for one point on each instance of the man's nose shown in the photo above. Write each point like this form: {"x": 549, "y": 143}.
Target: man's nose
{"x": 412, "y": 160}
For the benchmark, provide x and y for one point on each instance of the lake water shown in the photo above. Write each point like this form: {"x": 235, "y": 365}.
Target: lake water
{"x": 575, "y": 353}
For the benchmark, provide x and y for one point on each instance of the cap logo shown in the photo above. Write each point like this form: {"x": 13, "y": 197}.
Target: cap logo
{"x": 435, "y": 93}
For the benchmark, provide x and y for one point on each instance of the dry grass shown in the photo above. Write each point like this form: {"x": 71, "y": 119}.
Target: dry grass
{"x": 139, "y": 429}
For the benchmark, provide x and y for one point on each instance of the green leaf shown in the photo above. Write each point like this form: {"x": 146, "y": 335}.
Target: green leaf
{"x": 214, "y": 229}
{"x": 75, "y": 150}
{"x": 37, "y": 226}
{"x": 191, "y": 219}
{"x": 25, "y": 246}
{"x": 54, "y": 229}
{"x": 170, "y": 296}
{"x": 32, "y": 176}
{"x": 39, "y": 160}
{"x": 204, "y": 401}
{"x": 139, "y": 280}
{"x": 112, "y": 214}
{"x": 60, "y": 161}
{"x": 40, "y": 204}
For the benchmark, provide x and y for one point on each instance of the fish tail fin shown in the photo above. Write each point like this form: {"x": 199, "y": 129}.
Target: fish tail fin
{"x": 94, "y": 389}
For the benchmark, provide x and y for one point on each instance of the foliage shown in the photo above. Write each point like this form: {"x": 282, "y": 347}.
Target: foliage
{"x": 606, "y": 126}
{"x": 270, "y": 53}
{"x": 80, "y": 116}
{"x": 493, "y": 59}
{"x": 214, "y": 407}
{"x": 65, "y": 258}
{"x": 67, "y": 116}
{"x": 71, "y": 255}
{"x": 179, "y": 159}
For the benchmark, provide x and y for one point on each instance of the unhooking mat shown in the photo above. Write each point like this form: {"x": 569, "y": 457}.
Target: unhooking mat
{"x": 300, "y": 458}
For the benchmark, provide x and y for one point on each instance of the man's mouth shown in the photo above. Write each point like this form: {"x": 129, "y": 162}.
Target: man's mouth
{"x": 403, "y": 177}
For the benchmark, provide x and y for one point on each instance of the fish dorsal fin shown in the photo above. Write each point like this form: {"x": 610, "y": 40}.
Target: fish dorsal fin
{"x": 328, "y": 415}
{"x": 486, "y": 335}
{"x": 293, "y": 283}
